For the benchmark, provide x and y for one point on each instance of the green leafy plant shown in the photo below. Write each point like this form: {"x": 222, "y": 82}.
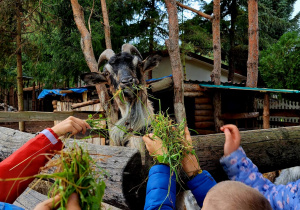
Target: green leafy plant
{"x": 77, "y": 172}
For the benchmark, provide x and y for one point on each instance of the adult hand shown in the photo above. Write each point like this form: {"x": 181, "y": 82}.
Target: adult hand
{"x": 232, "y": 138}
{"x": 73, "y": 203}
{"x": 71, "y": 125}
{"x": 189, "y": 163}
{"x": 154, "y": 145}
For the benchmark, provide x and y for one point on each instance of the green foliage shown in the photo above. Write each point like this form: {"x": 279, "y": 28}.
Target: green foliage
{"x": 77, "y": 173}
{"x": 280, "y": 63}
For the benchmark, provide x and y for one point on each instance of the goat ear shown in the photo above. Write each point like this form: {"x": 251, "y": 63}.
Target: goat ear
{"x": 151, "y": 62}
{"x": 93, "y": 78}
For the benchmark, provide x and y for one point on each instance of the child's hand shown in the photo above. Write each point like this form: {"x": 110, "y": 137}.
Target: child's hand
{"x": 154, "y": 145}
{"x": 71, "y": 125}
{"x": 73, "y": 203}
{"x": 232, "y": 138}
{"x": 189, "y": 163}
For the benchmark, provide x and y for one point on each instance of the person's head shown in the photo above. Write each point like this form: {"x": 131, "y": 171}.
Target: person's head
{"x": 234, "y": 195}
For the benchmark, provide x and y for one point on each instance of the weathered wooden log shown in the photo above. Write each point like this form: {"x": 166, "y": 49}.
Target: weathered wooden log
{"x": 203, "y": 118}
{"x": 282, "y": 112}
{"x": 207, "y": 124}
{"x": 269, "y": 149}
{"x": 203, "y": 100}
{"x": 235, "y": 116}
{"x": 161, "y": 85}
{"x": 193, "y": 88}
{"x": 204, "y": 113}
{"x": 42, "y": 116}
{"x": 86, "y": 103}
{"x": 123, "y": 165}
{"x": 203, "y": 107}
{"x": 29, "y": 199}
{"x": 193, "y": 94}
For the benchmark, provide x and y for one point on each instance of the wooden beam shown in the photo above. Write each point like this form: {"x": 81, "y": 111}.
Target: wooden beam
{"x": 86, "y": 103}
{"x": 122, "y": 164}
{"x": 204, "y": 124}
{"x": 163, "y": 84}
{"x": 66, "y": 91}
{"x": 266, "y": 112}
{"x": 193, "y": 94}
{"x": 283, "y": 112}
{"x": 236, "y": 116}
{"x": 203, "y": 106}
{"x": 270, "y": 149}
{"x": 205, "y": 132}
{"x": 203, "y": 100}
{"x": 203, "y": 118}
{"x": 193, "y": 88}
{"x": 42, "y": 116}
{"x": 204, "y": 113}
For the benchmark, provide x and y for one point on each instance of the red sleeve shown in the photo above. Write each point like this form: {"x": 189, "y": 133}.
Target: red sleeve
{"x": 24, "y": 162}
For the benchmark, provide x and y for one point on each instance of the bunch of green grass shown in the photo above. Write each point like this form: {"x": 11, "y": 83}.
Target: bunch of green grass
{"x": 77, "y": 172}
{"x": 173, "y": 139}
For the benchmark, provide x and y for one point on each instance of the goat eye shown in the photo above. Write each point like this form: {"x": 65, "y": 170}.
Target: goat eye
{"x": 106, "y": 73}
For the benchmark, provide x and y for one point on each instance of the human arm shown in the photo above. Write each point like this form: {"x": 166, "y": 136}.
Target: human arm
{"x": 240, "y": 168}
{"x": 202, "y": 181}
{"x": 161, "y": 186}
{"x": 27, "y": 160}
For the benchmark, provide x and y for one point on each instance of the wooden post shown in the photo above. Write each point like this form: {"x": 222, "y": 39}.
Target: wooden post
{"x": 266, "y": 112}
{"x": 33, "y": 97}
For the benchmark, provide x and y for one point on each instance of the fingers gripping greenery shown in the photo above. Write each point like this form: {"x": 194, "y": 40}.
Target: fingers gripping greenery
{"x": 77, "y": 172}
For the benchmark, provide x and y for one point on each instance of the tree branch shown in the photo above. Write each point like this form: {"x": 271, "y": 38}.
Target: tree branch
{"x": 196, "y": 11}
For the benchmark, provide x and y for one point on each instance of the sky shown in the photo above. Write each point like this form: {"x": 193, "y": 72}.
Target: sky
{"x": 296, "y": 6}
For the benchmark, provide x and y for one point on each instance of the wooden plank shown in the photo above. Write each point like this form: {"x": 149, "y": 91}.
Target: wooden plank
{"x": 41, "y": 116}
{"x": 204, "y": 113}
{"x": 204, "y": 124}
{"x": 163, "y": 84}
{"x": 203, "y": 118}
{"x": 193, "y": 88}
{"x": 236, "y": 116}
{"x": 203, "y": 100}
{"x": 283, "y": 112}
{"x": 66, "y": 91}
{"x": 193, "y": 94}
{"x": 203, "y": 107}
{"x": 86, "y": 103}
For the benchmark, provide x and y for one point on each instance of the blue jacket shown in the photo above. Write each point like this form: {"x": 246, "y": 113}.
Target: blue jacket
{"x": 7, "y": 206}
{"x": 161, "y": 188}
{"x": 240, "y": 168}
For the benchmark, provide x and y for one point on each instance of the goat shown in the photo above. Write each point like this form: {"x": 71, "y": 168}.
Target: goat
{"x": 288, "y": 175}
{"x": 125, "y": 71}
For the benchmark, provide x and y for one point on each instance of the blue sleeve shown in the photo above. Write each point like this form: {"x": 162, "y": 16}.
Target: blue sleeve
{"x": 240, "y": 168}
{"x": 200, "y": 185}
{"x": 7, "y": 206}
{"x": 161, "y": 189}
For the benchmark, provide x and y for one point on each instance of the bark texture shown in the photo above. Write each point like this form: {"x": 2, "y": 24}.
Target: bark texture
{"x": 19, "y": 63}
{"x": 173, "y": 48}
{"x": 252, "y": 63}
{"x": 106, "y": 25}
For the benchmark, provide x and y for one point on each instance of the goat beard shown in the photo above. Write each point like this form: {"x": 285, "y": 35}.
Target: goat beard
{"x": 137, "y": 117}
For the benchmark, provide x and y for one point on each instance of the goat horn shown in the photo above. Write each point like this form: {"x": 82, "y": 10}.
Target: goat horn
{"x": 105, "y": 55}
{"x": 130, "y": 49}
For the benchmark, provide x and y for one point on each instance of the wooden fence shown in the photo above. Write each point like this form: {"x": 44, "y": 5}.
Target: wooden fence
{"x": 283, "y": 112}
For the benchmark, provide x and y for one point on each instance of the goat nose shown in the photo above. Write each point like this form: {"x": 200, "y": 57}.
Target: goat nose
{"x": 127, "y": 80}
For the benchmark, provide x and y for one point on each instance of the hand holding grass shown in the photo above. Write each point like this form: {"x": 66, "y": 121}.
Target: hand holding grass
{"x": 73, "y": 203}
{"x": 232, "y": 138}
{"x": 154, "y": 145}
{"x": 189, "y": 163}
{"x": 71, "y": 125}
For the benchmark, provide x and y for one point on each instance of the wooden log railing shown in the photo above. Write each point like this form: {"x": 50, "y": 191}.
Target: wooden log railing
{"x": 269, "y": 149}
{"x": 124, "y": 182}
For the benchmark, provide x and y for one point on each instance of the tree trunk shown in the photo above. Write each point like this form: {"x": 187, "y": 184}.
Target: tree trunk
{"x": 234, "y": 13}
{"x": 106, "y": 25}
{"x": 5, "y": 100}
{"x": 87, "y": 49}
{"x": 252, "y": 64}
{"x": 19, "y": 64}
{"x": 151, "y": 35}
{"x": 33, "y": 97}
{"x": 216, "y": 73}
{"x": 173, "y": 48}
{"x": 266, "y": 112}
